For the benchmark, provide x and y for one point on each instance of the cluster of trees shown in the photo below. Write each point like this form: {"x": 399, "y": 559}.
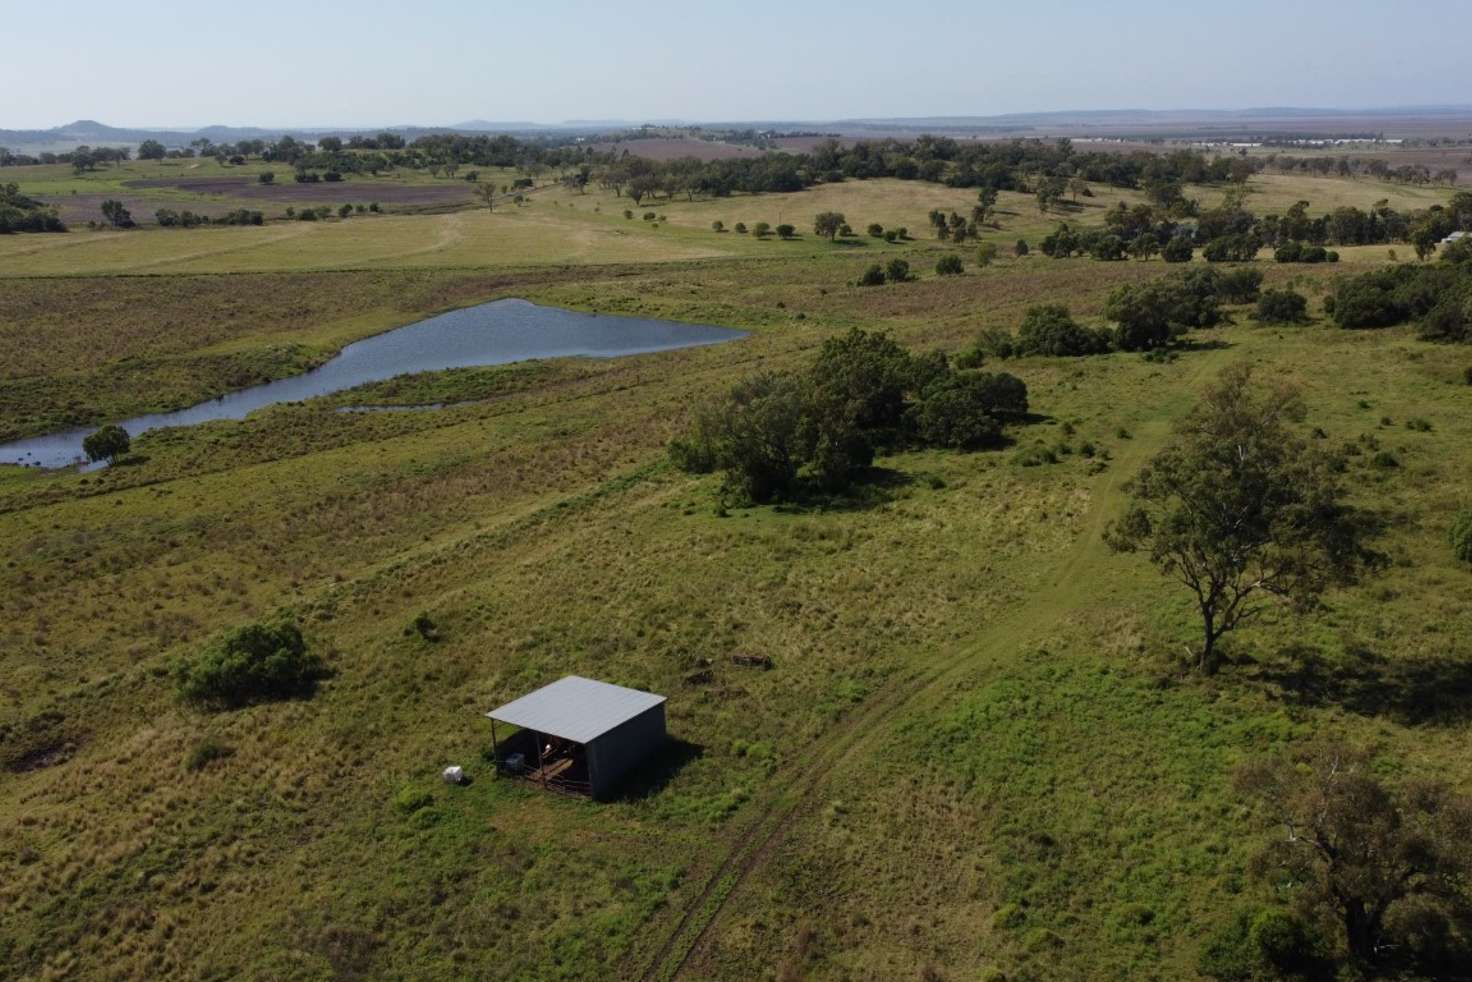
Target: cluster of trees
{"x": 775, "y": 435}
{"x": 19, "y": 213}
{"x": 1121, "y": 238}
{"x": 1231, "y": 233}
{"x": 169, "y": 218}
{"x": 1438, "y": 295}
{"x": 1146, "y": 317}
{"x": 1017, "y": 165}
{"x": 894, "y": 271}
{"x": 1302, "y": 252}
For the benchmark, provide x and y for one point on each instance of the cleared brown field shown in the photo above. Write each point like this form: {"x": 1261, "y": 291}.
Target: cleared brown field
{"x": 676, "y": 149}
{"x": 335, "y": 192}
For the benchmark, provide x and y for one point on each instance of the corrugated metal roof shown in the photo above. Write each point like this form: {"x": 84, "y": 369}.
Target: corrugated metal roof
{"x": 575, "y": 708}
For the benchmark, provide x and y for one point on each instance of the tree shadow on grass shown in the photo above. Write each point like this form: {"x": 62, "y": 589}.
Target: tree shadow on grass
{"x": 876, "y": 486}
{"x": 654, "y": 774}
{"x": 1412, "y": 691}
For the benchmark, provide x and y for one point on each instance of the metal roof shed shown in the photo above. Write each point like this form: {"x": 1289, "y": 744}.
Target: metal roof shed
{"x": 579, "y": 734}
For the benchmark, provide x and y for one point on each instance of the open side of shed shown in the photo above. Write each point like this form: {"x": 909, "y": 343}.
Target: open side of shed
{"x": 578, "y": 735}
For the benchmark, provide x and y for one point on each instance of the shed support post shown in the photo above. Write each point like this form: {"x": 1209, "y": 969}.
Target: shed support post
{"x": 541, "y": 767}
{"x": 495, "y": 751}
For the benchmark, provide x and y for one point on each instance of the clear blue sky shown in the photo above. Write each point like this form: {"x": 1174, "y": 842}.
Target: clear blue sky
{"x": 367, "y": 62}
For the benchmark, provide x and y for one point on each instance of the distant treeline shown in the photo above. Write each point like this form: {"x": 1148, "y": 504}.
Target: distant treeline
{"x": 1013, "y": 165}
{"x": 1231, "y": 233}
{"x": 1346, "y": 166}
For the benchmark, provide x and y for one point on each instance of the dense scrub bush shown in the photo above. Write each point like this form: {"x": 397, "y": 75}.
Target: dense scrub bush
{"x": 1440, "y": 296}
{"x": 1177, "y": 249}
{"x": 1231, "y": 249}
{"x": 1239, "y": 285}
{"x": 1269, "y": 943}
{"x": 777, "y": 431}
{"x": 1282, "y": 307}
{"x": 1107, "y": 248}
{"x": 949, "y": 266}
{"x": 1303, "y": 252}
{"x": 897, "y": 271}
{"x": 1050, "y": 330}
{"x": 1150, "y": 315}
{"x": 254, "y": 663}
{"x": 873, "y": 276}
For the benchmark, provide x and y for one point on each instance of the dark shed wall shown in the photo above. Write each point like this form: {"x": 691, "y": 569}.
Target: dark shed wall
{"x": 614, "y": 753}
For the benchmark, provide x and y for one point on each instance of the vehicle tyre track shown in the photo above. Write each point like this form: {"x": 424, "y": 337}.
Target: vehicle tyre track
{"x": 767, "y": 831}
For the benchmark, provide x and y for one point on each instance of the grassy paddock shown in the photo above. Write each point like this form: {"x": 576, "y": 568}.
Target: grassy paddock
{"x": 1014, "y": 773}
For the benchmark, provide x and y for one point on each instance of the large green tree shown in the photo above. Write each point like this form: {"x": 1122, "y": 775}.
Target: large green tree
{"x": 1359, "y": 855}
{"x": 1241, "y": 511}
{"x": 828, "y": 223}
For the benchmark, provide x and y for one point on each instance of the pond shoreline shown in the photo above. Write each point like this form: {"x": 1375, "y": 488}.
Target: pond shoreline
{"x": 498, "y": 332}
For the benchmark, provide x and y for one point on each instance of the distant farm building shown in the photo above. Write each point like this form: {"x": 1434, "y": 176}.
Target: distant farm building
{"x": 577, "y": 735}
{"x": 1455, "y": 237}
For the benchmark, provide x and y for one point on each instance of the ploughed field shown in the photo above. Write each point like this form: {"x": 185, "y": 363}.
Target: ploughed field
{"x": 974, "y": 750}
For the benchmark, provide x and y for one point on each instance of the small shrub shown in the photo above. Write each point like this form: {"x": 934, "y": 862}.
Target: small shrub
{"x": 1008, "y": 915}
{"x": 897, "y": 271}
{"x": 423, "y": 626}
{"x": 1021, "y": 248}
{"x": 411, "y": 799}
{"x": 987, "y": 252}
{"x": 761, "y": 230}
{"x": 949, "y": 266}
{"x": 254, "y": 663}
{"x": 649, "y": 216}
{"x": 1384, "y": 460}
{"x": 875, "y": 230}
{"x": 205, "y": 752}
{"x": 1418, "y": 424}
{"x": 891, "y": 235}
{"x": 739, "y": 228}
{"x": 628, "y": 214}
{"x": 873, "y": 276}
{"x": 785, "y": 231}
{"x": 1461, "y": 535}
{"x": 717, "y": 226}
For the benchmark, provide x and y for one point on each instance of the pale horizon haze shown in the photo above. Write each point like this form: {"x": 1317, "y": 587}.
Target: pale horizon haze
{"x": 364, "y": 64}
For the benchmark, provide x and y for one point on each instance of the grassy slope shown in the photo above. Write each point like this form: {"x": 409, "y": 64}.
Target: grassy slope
{"x": 1002, "y": 754}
